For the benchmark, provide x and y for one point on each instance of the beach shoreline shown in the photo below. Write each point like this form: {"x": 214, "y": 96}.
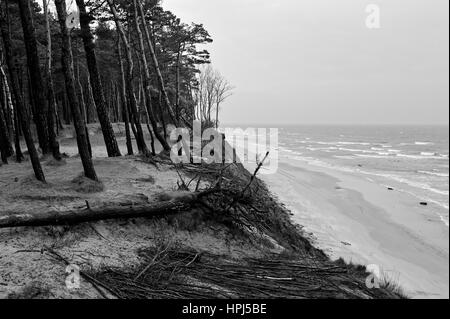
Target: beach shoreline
{"x": 351, "y": 217}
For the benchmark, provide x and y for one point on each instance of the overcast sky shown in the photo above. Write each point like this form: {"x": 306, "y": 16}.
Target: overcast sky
{"x": 316, "y": 62}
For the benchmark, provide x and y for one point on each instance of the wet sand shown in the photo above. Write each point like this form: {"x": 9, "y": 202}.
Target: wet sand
{"x": 365, "y": 223}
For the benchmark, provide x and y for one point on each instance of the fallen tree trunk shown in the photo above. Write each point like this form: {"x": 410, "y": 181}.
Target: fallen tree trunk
{"x": 178, "y": 203}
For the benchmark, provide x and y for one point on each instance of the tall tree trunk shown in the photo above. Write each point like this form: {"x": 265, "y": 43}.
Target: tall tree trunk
{"x": 19, "y": 154}
{"x": 161, "y": 113}
{"x": 217, "y": 115}
{"x": 90, "y": 117}
{"x": 7, "y": 105}
{"x": 156, "y": 66}
{"x": 8, "y": 109}
{"x": 51, "y": 115}
{"x": 20, "y": 105}
{"x": 125, "y": 104}
{"x": 5, "y": 145}
{"x": 67, "y": 65}
{"x": 129, "y": 79}
{"x": 144, "y": 110}
{"x": 177, "y": 94}
{"x": 66, "y": 108}
{"x": 40, "y": 109}
{"x": 82, "y": 104}
{"x": 147, "y": 81}
{"x": 97, "y": 88}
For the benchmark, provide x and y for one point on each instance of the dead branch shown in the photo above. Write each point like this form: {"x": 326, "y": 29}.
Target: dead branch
{"x": 178, "y": 204}
{"x": 252, "y": 179}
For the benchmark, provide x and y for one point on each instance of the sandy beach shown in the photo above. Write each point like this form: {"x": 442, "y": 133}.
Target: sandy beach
{"x": 352, "y": 217}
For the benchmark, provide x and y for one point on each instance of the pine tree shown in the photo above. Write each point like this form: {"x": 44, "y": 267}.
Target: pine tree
{"x": 67, "y": 65}
{"x": 96, "y": 84}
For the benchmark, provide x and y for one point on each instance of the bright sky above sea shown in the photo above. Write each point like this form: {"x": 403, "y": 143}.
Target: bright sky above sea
{"x": 316, "y": 62}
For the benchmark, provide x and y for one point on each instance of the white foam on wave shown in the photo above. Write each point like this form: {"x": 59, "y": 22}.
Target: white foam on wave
{"x": 349, "y": 157}
{"x": 444, "y": 218}
{"x": 379, "y": 152}
{"x": 354, "y": 143}
{"x": 379, "y": 156}
{"x": 416, "y": 144}
{"x": 434, "y": 173}
{"x": 393, "y": 154}
{"x": 287, "y": 150}
{"x": 424, "y": 155}
{"x": 429, "y": 154}
{"x": 412, "y": 183}
{"x": 340, "y": 143}
{"x": 323, "y": 143}
{"x": 423, "y": 143}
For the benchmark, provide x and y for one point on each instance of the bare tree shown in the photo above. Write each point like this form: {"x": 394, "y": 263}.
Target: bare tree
{"x": 213, "y": 89}
{"x": 222, "y": 91}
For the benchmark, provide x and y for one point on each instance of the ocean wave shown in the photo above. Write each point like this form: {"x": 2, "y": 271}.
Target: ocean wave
{"x": 411, "y": 183}
{"x": 323, "y": 143}
{"x": 333, "y": 149}
{"x": 423, "y": 143}
{"x": 349, "y": 157}
{"x": 416, "y": 143}
{"x": 395, "y": 153}
{"x": 393, "y": 177}
{"x": 381, "y": 152}
{"x": 434, "y": 173}
{"x": 340, "y": 143}
{"x": 377, "y": 153}
{"x": 444, "y": 219}
{"x": 424, "y": 155}
{"x": 429, "y": 154}
{"x": 379, "y": 156}
{"x": 354, "y": 143}
{"x": 287, "y": 150}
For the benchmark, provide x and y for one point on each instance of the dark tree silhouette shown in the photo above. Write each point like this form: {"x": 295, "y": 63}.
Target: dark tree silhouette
{"x": 20, "y": 105}
{"x": 47, "y": 141}
{"x": 96, "y": 84}
{"x": 67, "y": 65}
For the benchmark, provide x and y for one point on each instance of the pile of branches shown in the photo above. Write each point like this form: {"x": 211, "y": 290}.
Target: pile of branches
{"x": 185, "y": 274}
{"x": 241, "y": 199}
